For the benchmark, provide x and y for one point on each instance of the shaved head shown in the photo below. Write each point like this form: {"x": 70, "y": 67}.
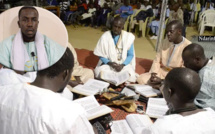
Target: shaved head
{"x": 184, "y": 84}
{"x": 176, "y": 23}
{"x": 194, "y": 57}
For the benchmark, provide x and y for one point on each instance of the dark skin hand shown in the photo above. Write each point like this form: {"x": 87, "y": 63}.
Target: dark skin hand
{"x": 115, "y": 66}
{"x": 155, "y": 81}
{"x": 75, "y": 82}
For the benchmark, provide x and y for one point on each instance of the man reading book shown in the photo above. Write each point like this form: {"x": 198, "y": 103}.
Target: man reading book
{"x": 115, "y": 49}
{"x": 195, "y": 59}
{"x": 183, "y": 117}
{"x": 27, "y": 108}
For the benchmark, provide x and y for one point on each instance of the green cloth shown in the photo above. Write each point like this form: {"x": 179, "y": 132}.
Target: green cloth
{"x": 54, "y": 53}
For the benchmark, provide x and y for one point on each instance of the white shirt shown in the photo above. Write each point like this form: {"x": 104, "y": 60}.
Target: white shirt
{"x": 10, "y": 77}
{"x": 199, "y": 123}
{"x": 27, "y": 109}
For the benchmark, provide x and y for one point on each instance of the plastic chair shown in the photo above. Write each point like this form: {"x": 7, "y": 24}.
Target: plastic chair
{"x": 49, "y": 25}
{"x": 201, "y": 16}
{"x": 209, "y": 21}
{"x": 132, "y": 18}
{"x": 148, "y": 28}
{"x": 144, "y": 27}
{"x": 127, "y": 23}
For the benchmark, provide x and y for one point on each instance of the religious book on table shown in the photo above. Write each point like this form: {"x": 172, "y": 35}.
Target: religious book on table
{"x": 144, "y": 90}
{"x": 92, "y": 107}
{"x": 114, "y": 77}
{"x": 133, "y": 124}
{"x": 156, "y": 107}
{"x": 91, "y": 87}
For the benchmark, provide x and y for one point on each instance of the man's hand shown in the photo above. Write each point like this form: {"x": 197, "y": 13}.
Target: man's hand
{"x": 78, "y": 79}
{"x": 73, "y": 83}
{"x": 155, "y": 81}
{"x": 119, "y": 67}
{"x": 113, "y": 65}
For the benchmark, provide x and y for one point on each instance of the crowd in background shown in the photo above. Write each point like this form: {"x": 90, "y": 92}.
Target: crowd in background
{"x": 96, "y": 13}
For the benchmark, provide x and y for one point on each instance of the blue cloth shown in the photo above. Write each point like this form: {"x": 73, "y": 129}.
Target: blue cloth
{"x": 130, "y": 53}
{"x": 52, "y": 2}
{"x": 124, "y": 11}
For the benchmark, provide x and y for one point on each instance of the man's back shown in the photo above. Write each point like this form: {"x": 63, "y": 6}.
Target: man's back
{"x": 206, "y": 96}
{"x": 199, "y": 123}
{"x": 26, "y": 109}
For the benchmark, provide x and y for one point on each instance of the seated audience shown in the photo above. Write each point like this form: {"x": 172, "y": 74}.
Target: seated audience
{"x": 140, "y": 17}
{"x": 180, "y": 89}
{"x": 208, "y": 5}
{"x": 125, "y": 10}
{"x": 36, "y": 108}
{"x": 116, "y": 51}
{"x": 134, "y": 4}
{"x": 168, "y": 57}
{"x": 195, "y": 59}
{"x": 102, "y": 17}
{"x": 176, "y": 13}
{"x": 87, "y": 17}
{"x": 110, "y": 18}
{"x": 154, "y": 26}
{"x": 145, "y": 5}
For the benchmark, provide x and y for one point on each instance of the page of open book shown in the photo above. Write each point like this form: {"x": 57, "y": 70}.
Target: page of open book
{"x": 120, "y": 127}
{"x": 138, "y": 122}
{"x": 114, "y": 77}
{"x": 145, "y": 90}
{"x": 122, "y": 77}
{"x": 96, "y": 84}
{"x": 92, "y": 107}
{"x": 109, "y": 76}
{"x": 91, "y": 87}
{"x": 84, "y": 90}
{"x": 88, "y": 102}
{"x": 157, "y": 107}
{"x": 128, "y": 92}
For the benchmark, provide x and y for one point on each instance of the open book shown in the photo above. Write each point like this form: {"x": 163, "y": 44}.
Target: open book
{"x": 133, "y": 124}
{"x": 114, "y": 77}
{"x": 91, "y": 87}
{"x": 92, "y": 107}
{"x": 144, "y": 90}
{"x": 156, "y": 107}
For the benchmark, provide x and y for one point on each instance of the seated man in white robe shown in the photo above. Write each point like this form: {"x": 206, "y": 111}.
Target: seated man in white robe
{"x": 36, "y": 108}
{"x": 180, "y": 89}
{"x": 29, "y": 50}
{"x": 195, "y": 59}
{"x": 115, "y": 49}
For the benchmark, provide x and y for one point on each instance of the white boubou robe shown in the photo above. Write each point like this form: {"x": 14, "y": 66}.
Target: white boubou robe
{"x": 106, "y": 48}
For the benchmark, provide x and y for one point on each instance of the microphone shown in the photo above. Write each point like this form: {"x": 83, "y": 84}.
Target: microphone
{"x": 135, "y": 97}
{"x": 32, "y": 54}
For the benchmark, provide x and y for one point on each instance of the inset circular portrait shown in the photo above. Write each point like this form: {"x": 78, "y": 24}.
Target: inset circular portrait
{"x": 31, "y": 38}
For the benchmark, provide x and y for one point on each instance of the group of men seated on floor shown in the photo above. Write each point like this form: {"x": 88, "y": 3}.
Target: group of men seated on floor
{"x": 31, "y": 103}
